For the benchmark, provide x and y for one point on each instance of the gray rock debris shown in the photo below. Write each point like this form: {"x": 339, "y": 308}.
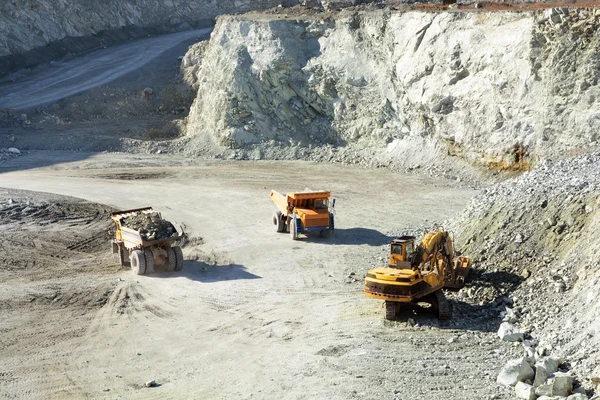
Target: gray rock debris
{"x": 514, "y": 371}
{"x": 562, "y": 383}
{"x": 578, "y": 396}
{"x": 544, "y": 368}
{"x": 509, "y": 333}
{"x": 150, "y": 226}
{"x": 510, "y": 315}
{"x": 525, "y": 391}
{"x": 146, "y": 93}
{"x": 9, "y": 154}
{"x": 562, "y": 254}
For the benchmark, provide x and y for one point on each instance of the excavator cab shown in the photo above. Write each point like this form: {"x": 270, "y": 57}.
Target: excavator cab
{"x": 401, "y": 250}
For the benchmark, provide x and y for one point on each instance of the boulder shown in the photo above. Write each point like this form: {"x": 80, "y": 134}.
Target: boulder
{"x": 146, "y": 93}
{"x": 544, "y": 368}
{"x": 577, "y": 396}
{"x": 529, "y": 354}
{"x": 510, "y": 316}
{"x": 517, "y": 370}
{"x": 562, "y": 383}
{"x": 544, "y": 389}
{"x": 14, "y": 150}
{"x": 525, "y": 391}
{"x": 509, "y": 333}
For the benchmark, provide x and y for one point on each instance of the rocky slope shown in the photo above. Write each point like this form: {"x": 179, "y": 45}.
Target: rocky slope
{"x": 533, "y": 241}
{"x": 501, "y": 89}
{"x": 39, "y": 30}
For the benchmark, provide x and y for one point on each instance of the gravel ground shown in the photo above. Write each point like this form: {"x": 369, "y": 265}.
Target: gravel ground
{"x": 287, "y": 319}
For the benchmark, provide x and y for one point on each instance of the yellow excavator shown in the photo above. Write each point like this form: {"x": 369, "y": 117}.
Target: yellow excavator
{"x": 418, "y": 273}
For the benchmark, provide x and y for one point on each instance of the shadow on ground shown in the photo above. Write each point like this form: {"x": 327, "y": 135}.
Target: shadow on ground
{"x": 465, "y": 316}
{"x": 350, "y": 236}
{"x": 40, "y": 159}
{"x": 202, "y": 272}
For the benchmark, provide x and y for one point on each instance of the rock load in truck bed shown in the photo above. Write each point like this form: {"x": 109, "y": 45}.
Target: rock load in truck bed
{"x": 150, "y": 226}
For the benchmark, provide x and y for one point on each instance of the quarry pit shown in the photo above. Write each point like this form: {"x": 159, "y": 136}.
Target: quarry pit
{"x": 481, "y": 118}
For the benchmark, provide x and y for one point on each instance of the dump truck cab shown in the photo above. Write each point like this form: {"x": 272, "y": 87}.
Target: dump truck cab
{"x": 301, "y": 212}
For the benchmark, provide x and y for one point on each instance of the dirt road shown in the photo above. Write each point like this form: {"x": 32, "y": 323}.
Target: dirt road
{"x": 253, "y": 314}
{"x": 100, "y": 67}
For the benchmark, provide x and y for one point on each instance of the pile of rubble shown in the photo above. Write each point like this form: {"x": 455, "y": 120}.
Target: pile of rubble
{"x": 533, "y": 245}
{"x": 537, "y": 374}
{"x": 9, "y": 154}
{"x": 150, "y": 226}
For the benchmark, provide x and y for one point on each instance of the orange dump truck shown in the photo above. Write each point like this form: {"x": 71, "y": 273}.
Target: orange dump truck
{"x": 300, "y": 212}
{"x": 150, "y": 245}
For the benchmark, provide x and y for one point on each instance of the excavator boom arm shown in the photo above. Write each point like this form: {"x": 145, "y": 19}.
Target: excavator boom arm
{"x": 436, "y": 241}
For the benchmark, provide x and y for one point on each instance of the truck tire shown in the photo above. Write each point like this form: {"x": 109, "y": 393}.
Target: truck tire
{"x": 171, "y": 259}
{"x": 293, "y": 233}
{"x": 178, "y": 258}
{"x": 149, "y": 261}
{"x": 390, "y": 310}
{"x": 278, "y": 222}
{"x": 138, "y": 262}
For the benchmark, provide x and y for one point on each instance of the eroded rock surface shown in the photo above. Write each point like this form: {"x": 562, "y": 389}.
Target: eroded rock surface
{"x": 26, "y": 27}
{"x": 498, "y": 89}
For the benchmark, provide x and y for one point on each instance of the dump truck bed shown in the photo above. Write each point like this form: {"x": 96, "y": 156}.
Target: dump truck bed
{"x": 117, "y": 216}
{"x": 132, "y": 238}
{"x": 297, "y": 199}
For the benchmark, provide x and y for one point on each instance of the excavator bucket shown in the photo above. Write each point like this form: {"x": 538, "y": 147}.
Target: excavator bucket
{"x": 458, "y": 273}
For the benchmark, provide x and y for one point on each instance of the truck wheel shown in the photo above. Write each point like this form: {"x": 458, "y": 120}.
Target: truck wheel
{"x": 390, "y": 310}
{"x": 178, "y": 258}
{"x": 171, "y": 259}
{"x": 149, "y": 261}
{"x": 138, "y": 262}
{"x": 293, "y": 232}
{"x": 278, "y": 222}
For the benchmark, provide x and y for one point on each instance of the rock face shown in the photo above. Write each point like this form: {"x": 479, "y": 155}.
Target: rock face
{"x": 499, "y": 89}
{"x": 27, "y": 25}
{"x": 191, "y": 62}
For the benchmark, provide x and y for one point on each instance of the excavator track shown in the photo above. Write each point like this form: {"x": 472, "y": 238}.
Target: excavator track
{"x": 391, "y": 309}
{"x": 443, "y": 305}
